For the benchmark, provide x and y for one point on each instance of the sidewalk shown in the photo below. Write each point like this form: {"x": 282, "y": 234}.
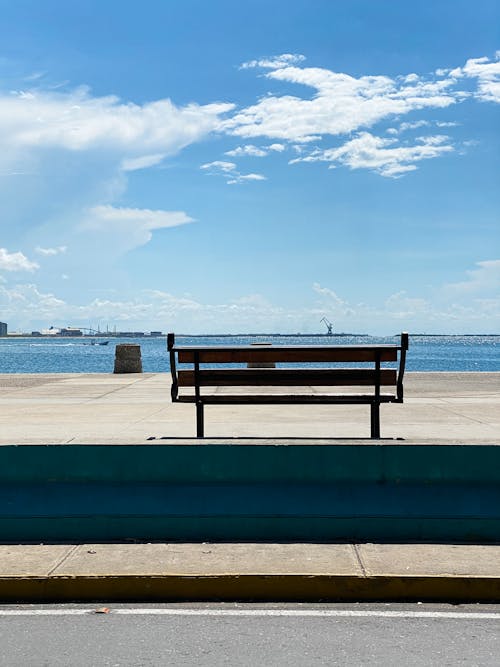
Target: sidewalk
{"x": 306, "y": 572}
{"x": 439, "y": 408}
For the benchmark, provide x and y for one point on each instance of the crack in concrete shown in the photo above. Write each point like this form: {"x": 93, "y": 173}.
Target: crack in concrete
{"x": 359, "y": 559}
{"x": 63, "y": 559}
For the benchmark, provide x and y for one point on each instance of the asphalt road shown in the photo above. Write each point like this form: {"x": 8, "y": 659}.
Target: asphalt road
{"x": 250, "y": 634}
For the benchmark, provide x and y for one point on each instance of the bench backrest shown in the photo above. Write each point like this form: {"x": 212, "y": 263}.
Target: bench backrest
{"x": 368, "y": 376}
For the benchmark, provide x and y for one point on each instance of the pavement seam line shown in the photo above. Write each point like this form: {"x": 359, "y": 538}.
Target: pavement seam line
{"x": 447, "y": 409}
{"x": 63, "y": 559}
{"x": 359, "y": 559}
{"x": 120, "y": 388}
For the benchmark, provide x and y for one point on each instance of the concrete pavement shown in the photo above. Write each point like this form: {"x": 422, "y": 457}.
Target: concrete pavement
{"x": 439, "y": 408}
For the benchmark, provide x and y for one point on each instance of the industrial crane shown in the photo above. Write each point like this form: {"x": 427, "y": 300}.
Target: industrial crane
{"x": 329, "y": 326}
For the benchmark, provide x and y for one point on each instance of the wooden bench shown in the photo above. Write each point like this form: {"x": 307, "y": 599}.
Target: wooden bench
{"x": 206, "y": 372}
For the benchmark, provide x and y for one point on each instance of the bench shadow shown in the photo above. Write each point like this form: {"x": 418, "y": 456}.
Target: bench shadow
{"x": 245, "y": 438}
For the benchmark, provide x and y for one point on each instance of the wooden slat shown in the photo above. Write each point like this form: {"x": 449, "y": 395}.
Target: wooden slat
{"x": 244, "y": 354}
{"x": 259, "y": 399}
{"x": 278, "y": 377}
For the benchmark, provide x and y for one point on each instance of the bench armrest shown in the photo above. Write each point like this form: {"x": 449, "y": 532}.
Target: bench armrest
{"x": 174, "y": 391}
{"x": 402, "y": 360}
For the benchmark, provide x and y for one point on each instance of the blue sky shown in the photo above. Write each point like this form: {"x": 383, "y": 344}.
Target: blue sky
{"x": 250, "y": 166}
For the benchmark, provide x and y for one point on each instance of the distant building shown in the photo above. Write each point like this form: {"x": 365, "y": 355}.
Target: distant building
{"x": 70, "y": 331}
{"x": 36, "y": 333}
{"x": 3, "y": 329}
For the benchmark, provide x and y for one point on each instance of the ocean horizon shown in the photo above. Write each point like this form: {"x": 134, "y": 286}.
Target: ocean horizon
{"x": 427, "y": 353}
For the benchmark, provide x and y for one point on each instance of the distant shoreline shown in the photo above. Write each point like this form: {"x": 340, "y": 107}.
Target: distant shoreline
{"x": 239, "y": 335}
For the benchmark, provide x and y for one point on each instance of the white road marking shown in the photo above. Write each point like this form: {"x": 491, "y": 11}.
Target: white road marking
{"x": 300, "y": 613}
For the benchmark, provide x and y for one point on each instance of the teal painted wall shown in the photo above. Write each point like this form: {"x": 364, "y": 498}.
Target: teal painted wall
{"x": 239, "y": 463}
{"x": 258, "y": 492}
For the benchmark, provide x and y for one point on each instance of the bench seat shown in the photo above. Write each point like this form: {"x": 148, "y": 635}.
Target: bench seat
{"x": 263, "y": 399}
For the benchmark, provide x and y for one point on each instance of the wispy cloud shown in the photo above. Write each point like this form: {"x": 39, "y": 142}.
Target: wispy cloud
{"x": 15, "y": 261}
{"x": 77, "y": 148}
{"x": 487, "y": 74}
{"x": 341, "y": 104}
{"x": 337, "y": 307}
{"x": 409, "y": 126}
{"x": 133, "y": 226}
{"x": 275, "y": 62}
{"x": 230, "y": 171}
{"x": 78, "y": 121}
{"x": 473, "y": 304}
{"x": 484, "y": 279}
{"x": 379, "y": 154}
{"x": 47, "y": 252}
{"x": 247, "y": 150}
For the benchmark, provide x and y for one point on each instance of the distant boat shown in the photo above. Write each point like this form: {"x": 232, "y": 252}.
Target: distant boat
{"x": 97, "y": 342}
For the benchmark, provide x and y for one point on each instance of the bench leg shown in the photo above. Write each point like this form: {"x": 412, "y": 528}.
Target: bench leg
{"x": 375, "y": 420}
{"x": 199, "y": 420}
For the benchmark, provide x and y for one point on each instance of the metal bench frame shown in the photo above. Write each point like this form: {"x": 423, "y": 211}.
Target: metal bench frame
{"x": 373, "y": 376}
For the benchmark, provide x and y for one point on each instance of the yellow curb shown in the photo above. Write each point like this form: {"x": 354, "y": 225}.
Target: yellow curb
{"x": 281, "y": 587}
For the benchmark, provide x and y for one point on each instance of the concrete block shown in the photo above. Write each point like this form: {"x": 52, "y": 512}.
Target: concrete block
{"x": 31, "y": 560}
{"x": 211, "y": 559}
{"x": 473, "y": 560}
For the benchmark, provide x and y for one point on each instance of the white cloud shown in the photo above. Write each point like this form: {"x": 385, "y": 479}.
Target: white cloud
{"x": 219, "y": 165}
{"x": 484, "y": 279}
{"x": 486, "y": 72}
{"x": 238, "y": 178}
{"x": 403, "y": 127}
{"x": 402, "y": 306}
{"x": 143, "y": 162}
{"x": 27, "y": 303}
{"x": 15, "y": 261}
{"x": 74, "y": 148}
{"x": 51, "y": 251}
{"x": 340, "y": 104}
{"x": 132, "y": 226}
{"x": 77, "y": 121}
{"x": 326, "y": 291}
{"x": 248, "y": 149}
{"x": 470, "y": 306}
{"x": 279, "y": 148}
{"x": 367, "y": 151}
{"x": 275, "y": 62}
{"x": 473, "y": 306}
{"x": 229, "y": 170}
{"x": 336, "y": 306}
{"x": 412, "y": 126}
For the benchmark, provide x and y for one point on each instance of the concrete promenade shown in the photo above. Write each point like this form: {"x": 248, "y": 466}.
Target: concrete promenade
{"x": 439, "y": 408}
{"x": 102, "y": 409}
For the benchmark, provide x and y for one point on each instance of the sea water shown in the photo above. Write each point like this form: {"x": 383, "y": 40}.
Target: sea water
{"x": 63, "y": 355}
